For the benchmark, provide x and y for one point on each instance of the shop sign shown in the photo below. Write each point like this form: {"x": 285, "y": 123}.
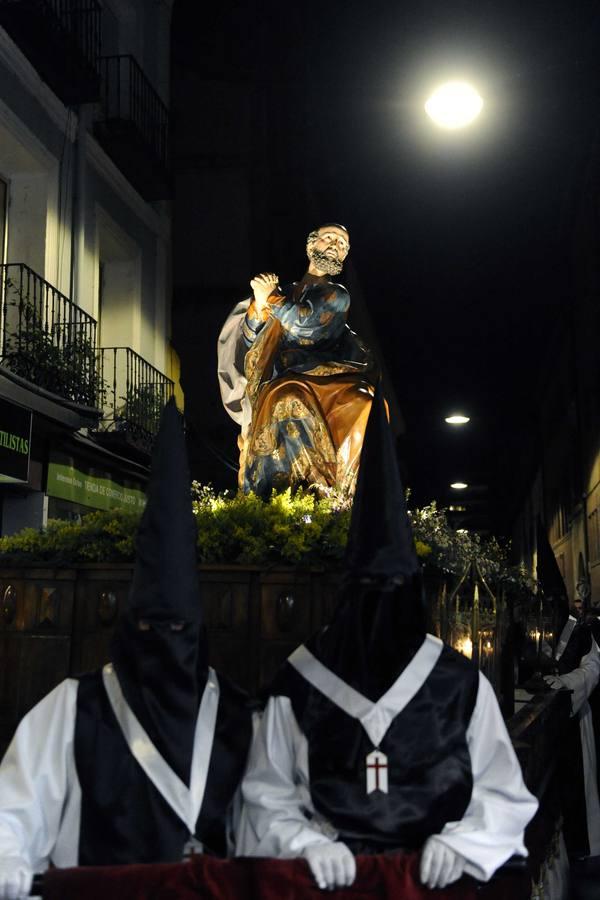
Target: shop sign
{"x": 67, "y": 482}
{"x": 15, "y": 442}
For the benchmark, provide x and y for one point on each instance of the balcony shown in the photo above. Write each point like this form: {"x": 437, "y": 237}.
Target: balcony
{"x": 47, "y": 340}
{"x": 61, "y": 38}
{"x": 134, "y": 394}
{"x": 133, "y": 125}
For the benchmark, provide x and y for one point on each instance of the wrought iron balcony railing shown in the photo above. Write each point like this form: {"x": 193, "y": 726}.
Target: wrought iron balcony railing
{"x": 46, "y": 338}
{"x": 134, "y": 394}
{"x": 133, "y": 125}
{"x": 62, "y": 39}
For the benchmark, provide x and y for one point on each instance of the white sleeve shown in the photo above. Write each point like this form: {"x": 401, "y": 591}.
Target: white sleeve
{"x": 583, "y": 679}
{"x": 275, "y": 789}
{"x": 35, "y": 777}
{"x": 492, "y": 828}
{"x": 237, "y": 816}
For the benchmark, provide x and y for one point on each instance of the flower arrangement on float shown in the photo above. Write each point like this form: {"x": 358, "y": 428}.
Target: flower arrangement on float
{"x": 292, "y": 528}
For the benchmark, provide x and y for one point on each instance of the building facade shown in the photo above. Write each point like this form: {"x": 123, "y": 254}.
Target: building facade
{"x": 85, "y": 226}
{"x": 563, "y": 445}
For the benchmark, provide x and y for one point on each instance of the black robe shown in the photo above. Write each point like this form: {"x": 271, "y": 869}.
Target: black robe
{"x": 124, "y": 818}
{"x": 430, "y": 780}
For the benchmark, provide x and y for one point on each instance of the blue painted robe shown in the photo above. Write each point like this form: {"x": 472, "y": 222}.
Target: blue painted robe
{"x": 309, "y": 384}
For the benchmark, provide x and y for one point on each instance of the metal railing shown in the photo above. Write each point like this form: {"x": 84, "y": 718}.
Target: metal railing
{"x": 81, "y": 19}
{"x": 78, "y": 20}
{"x": 128, "y": 96}
{"x": 134, "y": 394}
{"x": 46, "y": 338}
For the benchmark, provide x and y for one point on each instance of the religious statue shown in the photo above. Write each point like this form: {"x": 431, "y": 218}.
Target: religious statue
{"x": 296, "y": 379}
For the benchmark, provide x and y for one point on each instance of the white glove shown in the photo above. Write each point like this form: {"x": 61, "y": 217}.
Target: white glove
{"x": 439, "y": 864}
{"x": 333, "y": 865}
{"x": 15, "y": 878}
{"x": 554, "y": 681}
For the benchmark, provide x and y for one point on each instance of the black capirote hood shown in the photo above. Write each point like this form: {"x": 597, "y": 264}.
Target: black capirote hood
{"x": 162, "y": 667}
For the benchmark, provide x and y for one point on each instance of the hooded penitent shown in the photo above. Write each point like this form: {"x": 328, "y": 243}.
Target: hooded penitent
{"x": 377, "y": 633}
{"x": 551, "y": 580}
{"x": 158, "y": 649}
{"x": 380, "y": 621}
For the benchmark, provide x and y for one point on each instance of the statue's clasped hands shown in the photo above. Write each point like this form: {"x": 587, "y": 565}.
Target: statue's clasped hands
{"x": 262, "y": 287}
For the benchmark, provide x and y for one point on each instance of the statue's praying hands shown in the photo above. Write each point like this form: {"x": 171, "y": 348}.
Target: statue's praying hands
{"x": 262, "y": 286}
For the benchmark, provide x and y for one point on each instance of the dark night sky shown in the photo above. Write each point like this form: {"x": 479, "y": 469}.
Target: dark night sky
{"x": 460, "y": 240}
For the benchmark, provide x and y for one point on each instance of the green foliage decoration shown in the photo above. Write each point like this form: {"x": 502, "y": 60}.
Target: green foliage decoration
{"x": 101, "y": 536}
{"x": 139, "y": 414}
{"x": 290, "y": 529}
{"x": 452, "y": 549}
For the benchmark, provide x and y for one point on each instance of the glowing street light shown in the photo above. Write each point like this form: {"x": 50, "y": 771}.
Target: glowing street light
{"x": 457, "y": 419}
{"x": 458, "y": 485}
{"x": 454, "y": 105}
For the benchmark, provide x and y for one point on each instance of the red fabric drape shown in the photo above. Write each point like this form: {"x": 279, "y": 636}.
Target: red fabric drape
{"x": 207, "y": 878}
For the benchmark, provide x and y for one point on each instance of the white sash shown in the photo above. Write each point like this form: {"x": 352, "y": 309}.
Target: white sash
{"x": 375, "y": 718}
{"x": 565, "y": 637}
{"x": 185, "y": 802}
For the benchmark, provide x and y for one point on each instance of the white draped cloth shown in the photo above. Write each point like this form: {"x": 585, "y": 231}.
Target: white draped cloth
{"x": 231, "y": 352}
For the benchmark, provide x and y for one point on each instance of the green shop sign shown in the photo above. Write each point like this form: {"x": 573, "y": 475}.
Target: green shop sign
{"x": 15, "y": 442}
{"x": 69, "y": 483}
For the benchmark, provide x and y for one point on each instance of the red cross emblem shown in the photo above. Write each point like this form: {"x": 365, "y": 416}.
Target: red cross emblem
{"x": 377, "y": 772}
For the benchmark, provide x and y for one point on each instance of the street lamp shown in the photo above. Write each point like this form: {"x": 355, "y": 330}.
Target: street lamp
{"x": 454, "y": 105}
{"x": 459, "y": 485}
{"x": 457, "y": 419}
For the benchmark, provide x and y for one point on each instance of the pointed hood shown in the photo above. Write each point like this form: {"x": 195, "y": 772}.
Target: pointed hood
{"x": 381, "y": 546}
{"x": 551, "y": 579}
{"x": 158, "y": 648}
{"x": 380, "y": 621}
{"x": 165, "y": 578}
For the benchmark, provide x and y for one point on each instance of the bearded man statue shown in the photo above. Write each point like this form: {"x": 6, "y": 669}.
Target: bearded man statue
{"x": 296, "y": 379}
